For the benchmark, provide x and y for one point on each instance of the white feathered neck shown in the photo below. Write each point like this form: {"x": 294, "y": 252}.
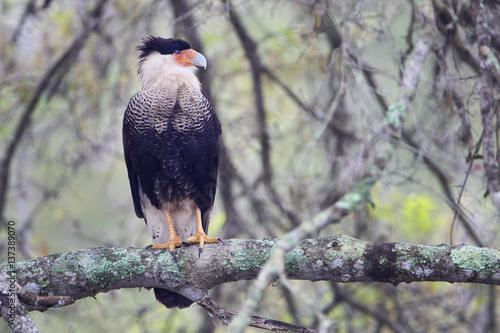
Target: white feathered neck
{"x": 163, "y": 70}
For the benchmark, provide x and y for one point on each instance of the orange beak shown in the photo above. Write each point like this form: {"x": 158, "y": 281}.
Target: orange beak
{"x": 190, "y": 58}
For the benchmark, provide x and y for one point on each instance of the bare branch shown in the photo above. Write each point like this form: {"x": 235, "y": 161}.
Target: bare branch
{"x": 342, "y": 295}
{"x": 397, "y": 111}
{"x": 12, "y": 310}
{"x": 256, "y": 68}
{"x": 250, "y": 48}
{"x": 224, "y": 315}
{"x": 488, "y": 67}
{"x": 50, "y": 78}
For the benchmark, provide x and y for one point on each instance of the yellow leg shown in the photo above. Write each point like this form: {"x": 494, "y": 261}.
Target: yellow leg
{"x": 200, "y": 236}
{"x": 174, "y": 240}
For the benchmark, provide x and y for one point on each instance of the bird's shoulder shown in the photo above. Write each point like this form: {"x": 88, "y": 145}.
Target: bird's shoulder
{"x": 187, "y": 109}
{"x": 148, "y": 100}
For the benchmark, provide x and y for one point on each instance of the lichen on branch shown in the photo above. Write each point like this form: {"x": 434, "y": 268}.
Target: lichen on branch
{"x": 87, "y": 272}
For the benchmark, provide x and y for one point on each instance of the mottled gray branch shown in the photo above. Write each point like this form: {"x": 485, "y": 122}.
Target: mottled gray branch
{"x": 488, "y": 67}
{"x": 12, "y": 310}
{"x": 396, "y": 113}
{"x": 84, "y": 273}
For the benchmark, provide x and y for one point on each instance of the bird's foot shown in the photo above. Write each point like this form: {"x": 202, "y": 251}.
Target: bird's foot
{"x": 172, "y": 244}
{"x": 202, "y": 238}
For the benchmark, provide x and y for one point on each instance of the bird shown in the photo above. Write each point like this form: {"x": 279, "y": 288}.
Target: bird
{"x": 171, "y": 141}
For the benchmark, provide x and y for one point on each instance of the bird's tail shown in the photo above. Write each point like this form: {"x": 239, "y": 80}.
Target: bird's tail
{"x": 171, "y": 299}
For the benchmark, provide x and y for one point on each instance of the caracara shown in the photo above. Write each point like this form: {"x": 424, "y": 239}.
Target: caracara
{"x": 171, "y": 143}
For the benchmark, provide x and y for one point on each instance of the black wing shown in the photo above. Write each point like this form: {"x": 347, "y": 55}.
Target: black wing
{"x": 127, "y": 136}
{"x": 200, "y": 150}
{"x": 138, "y": 146}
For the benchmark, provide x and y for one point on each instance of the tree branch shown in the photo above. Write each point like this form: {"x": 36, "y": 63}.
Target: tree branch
{"x": 256, "y": 69}
{"x": 84, "y": 273}
{"x": 396, "y": 113}
{"x": 50, "y": 79}
{"x": 12, "y": 310}
{"x": 217, "y": 311}
{"x": 488, "y": 67}
{"x": 250, "y": 48}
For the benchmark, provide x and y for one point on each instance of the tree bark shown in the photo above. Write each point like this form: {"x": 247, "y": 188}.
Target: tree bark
{"x": 82, "y": 273}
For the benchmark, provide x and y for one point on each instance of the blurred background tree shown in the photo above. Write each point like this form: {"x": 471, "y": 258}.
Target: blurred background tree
{"x": 303, "y": 89}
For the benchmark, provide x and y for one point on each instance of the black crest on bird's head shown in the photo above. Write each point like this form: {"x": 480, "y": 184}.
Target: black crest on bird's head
{"x": 152, "y": 44}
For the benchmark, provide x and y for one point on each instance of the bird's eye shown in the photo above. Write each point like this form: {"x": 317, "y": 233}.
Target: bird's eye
{"x": 177, "y": 52}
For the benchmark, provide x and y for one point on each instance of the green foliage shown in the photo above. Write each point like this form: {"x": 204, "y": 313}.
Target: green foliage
{"x": 418, "y": 216}
{"x": 414, "y": 217}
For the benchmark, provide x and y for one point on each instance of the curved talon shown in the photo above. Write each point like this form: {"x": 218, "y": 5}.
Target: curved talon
{"x": 173, "y": 256}
{"x": 200, "y": 236}
{"x": 168, "y": 245}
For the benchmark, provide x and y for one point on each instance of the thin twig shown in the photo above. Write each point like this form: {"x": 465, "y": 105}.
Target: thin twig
{"x": 226, "y": 316}
{"x": 256, "y": 69}
{"x": 325, "y": 324}
{"x": 55, "y": 71}
{"x": 342, "y": 295}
